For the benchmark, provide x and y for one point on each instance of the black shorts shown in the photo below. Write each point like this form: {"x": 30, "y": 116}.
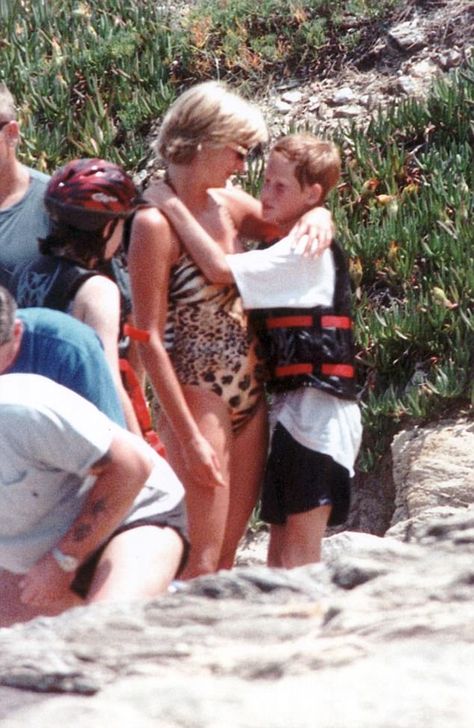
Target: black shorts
{"x": 298, "y": 479}
{"x": 175, "y": 519}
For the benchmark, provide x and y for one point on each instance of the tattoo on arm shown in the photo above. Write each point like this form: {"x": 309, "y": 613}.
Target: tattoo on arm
{"x": 98, "y": 507}
{"x": 84, "y": 529}
{"x": 81, "y": 531}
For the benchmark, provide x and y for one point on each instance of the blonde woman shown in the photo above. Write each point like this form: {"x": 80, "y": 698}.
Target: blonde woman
{"x": 196, "y": 347}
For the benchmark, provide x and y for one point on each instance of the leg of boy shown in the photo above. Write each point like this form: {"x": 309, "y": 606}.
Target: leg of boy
{"x": 298, "y": 541}
{"x": 302, "y": 490}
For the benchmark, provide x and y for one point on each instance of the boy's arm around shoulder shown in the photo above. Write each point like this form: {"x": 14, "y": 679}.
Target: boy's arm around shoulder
{"x": 311, "y": 234}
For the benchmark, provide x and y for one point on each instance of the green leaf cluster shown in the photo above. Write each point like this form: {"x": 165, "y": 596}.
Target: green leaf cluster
{"x": 404, "y": 213}
{"x": 89, "y": 78}
{"x": 242, "y": 39}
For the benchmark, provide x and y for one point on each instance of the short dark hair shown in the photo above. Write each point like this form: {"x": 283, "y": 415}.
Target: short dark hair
{"x": 84, "y": 245}
{"x": 7, "y": 315}
{"x": 316, "y": 160}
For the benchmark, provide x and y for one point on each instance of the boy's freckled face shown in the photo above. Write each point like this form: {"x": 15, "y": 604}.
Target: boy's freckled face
{"x": 283, "y": 200}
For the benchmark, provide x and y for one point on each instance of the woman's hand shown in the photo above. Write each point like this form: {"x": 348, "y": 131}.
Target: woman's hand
{"x": 202, "y": 463}
{"x": 159, "y": 193}
{"x": 313, "y": 232}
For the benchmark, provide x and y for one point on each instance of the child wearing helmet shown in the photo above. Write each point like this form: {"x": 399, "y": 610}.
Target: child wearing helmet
{"x": 88, "y": 201}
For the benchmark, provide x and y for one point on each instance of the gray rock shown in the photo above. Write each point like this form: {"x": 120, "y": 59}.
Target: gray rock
{"x": 383, "y": 625}
{"x": 407, "y": 36}
{"x": 351, "y": 111}
{"x": 292, "y": 97}
{"x": 450, "y": 59}
{"x": 424, "y": 69}
{"x": 407, "y": 85}
{"x": 342, "y": 96}
{"x": 282, "y": 107}
{"x": 433, "y": 467}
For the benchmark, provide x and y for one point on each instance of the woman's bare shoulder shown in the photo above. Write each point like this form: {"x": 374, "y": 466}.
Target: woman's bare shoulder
{"x": 151, "y": 228}
{"x": 152, "y": 219}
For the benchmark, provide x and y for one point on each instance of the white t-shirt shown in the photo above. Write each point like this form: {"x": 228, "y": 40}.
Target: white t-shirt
{"x": 279, "y": 277}
{"x": 49, "y": 439}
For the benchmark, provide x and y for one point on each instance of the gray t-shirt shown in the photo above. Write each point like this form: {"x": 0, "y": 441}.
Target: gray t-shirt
{"x": 21, "y": 225}
{"x": 49, "y": 439}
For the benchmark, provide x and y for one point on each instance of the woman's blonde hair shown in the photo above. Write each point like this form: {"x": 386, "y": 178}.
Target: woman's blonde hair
{"x": 208, "y": 113}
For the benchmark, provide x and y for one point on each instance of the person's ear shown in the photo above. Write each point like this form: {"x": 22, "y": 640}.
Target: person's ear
{"x": 12, "y": 133}
{"x": 315, "y": 194}
{"x": 18, "y": 330}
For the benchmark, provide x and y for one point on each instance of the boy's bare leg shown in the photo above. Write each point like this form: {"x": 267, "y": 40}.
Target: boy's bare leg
{"x": 275, "y": 545}
{"x": 298, "y": 542}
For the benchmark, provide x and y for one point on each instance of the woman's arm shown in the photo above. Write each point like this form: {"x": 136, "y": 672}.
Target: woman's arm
{"x": 153, "y": 251}
{"x": 97, "y": 303}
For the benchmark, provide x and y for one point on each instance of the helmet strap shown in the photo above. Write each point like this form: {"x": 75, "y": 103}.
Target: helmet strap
{"x": 109, "y": 229}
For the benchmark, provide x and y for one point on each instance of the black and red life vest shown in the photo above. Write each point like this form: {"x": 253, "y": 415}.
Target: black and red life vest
{"x": 311, "y": 347}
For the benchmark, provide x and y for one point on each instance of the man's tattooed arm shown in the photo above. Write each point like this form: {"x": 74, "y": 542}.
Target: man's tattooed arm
{"x": 120, "y": 475}
{"x": 83, "y": 528}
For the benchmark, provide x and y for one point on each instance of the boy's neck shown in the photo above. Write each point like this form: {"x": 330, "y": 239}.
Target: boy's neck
{"x": 286, "y": 227}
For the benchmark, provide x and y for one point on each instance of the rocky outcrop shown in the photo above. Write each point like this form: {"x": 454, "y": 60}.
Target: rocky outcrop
{"x": 433, "y": 470}
{"x": 380, "y": 634}
{"x": 423, "y": 43}
{"x": 403, "y": 61}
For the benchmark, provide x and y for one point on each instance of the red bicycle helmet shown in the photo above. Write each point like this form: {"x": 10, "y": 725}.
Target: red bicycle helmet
{"x": 88, "y": 193}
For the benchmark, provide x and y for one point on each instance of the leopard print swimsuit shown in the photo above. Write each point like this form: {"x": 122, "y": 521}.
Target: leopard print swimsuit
{"x": 207, "y": 339}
